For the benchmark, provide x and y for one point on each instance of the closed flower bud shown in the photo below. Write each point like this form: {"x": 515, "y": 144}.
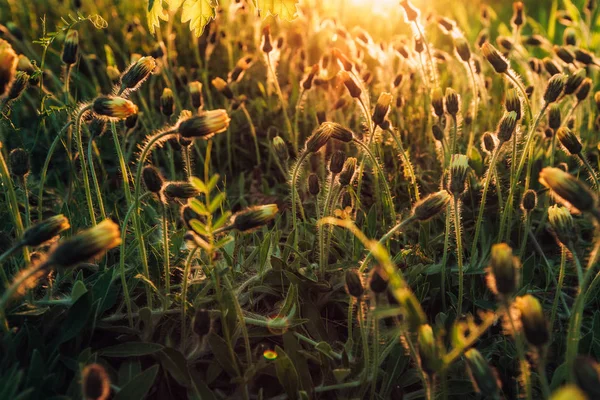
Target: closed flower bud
{"x": 308, "y": 81}
{"x": 533, "y": 320}
{"x": 529, "y": 200}
{"x": 347, "y": 175}
{"x": 554, "y": 117}
{"x": 188, "y": 214}
{"x": 462, "y": 48}
{"x": 201, "y": 323}
{"x": 536, "y": 65}
{"x": 378, "y": 280}
{"x": 428, "y": 350}
{"x": 446, "y": 24}
{"x": 569, "y": 392}
{"x": 459, "y": 167}
{"x": 354, "y": 90}
{"x": 95, "y": 381}
{"x": 555, "y": 87}
{"x": 584, "y": 56}
{"x": 570, "y": 37}
{"x": 280, "y": 149}
{"x": 354, "y": 286}
{"x": 313, "y": 184}
{"x": 195, "y": 89}
{"x": 574, "y": 81}
{"x": 587, "y": 376}
{"x": 89, "y": 244}
{"x": 137, "y": 73}
{"x": 482, "y": 375}
{"x": 411, "y": 12}
{"x": 153, "y": 180}
{"x": 503, "y": 271}
{"x": 437, "y": 102}
{"x": 431, "y": 205}
{"x": 114, "y": 107}
{"x": 452, "y": 101}
{"x": 584, "y": 89}
{"x": 346, "y": 201}
{"x": 534, "y": 40}
{"x": 382, "y": 107}
{"x": 167, "y": 102}
{"x": 266, "y": 46}
{"x": 180, "y": 190}
{"x": 398, "y": 80}
{"x": 507, "y": 126}
{"x": 419, "y": 46}
{"x": 494, "y": 57}
{"x": 253, "y": 217}
{"x": 19, "y": 162}
{"x": 562, "y": 224}
{"x": 336, "y": 164}
{"x": 205, "y": 125}
{"x": 569, "y": 141}
{"x": 438, "y": 133}
{"x": 8, "y": 65}
{"x": 518, "y": 18}
{"x": 318, "y": 139}
{"x": 412, "y": 311}
{"x": 564, "y": 54}
{"x": 569, "y": 190}
{"x": 338, "y": 132}
{"x": 551, "y": 67}
{"x": 223, "y": 87}
{"x": 489, "y": 141}
{"x": 513, "y": 103}
{"x": 45, "y": 230}
{"x": 71, "y": 48}
{"x": 18, "y": 85}
{"x": 342, "y": 60}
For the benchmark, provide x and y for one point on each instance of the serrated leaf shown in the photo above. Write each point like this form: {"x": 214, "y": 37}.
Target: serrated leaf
{"x": 198, "y": 13}
{"x": 156, "y": 12}
{"x": 285, "y": 9}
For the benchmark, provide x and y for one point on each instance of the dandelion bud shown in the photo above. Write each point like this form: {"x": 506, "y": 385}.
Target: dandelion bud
{"x": 564, "y": 54}
{"x": 489, "y": 142}
{"x": 95, "y": 381}
{"x": 554, "y": 117}
{"x": 45, "y": 230}
{"x": 18, "y": 85}
{"x": 223, "y": 87}
{"x": 71, "y": 48}
{"x": 561, "y": 222}
{"x": 412, "y": 310}
{"x": 529, "y": 201}
{"x": 318, "y": 139}
{"x": 195, "y": 89}
{"x": 513, "y": 103}
{"x": 574, "y": 81}
{"x": 431, "y": 206}
{"x": 536, "y": 65}
{"x": 569, "y": 392}
{"x": 570, "y": 37}
{"x": 167, "y": 102}
{"x": 346, "y": 201}
{"x": 534, "y": 40}
{"x": 452, "y": 101}
{"x": 382, "y": 107}
{"x": 153, "y": 180}
{"x": 338, "y": 132}
{"x": 503, "y": 276}
{"x": 584, "y": 89}
{"x": 201, "y": 323}
{"x": 114, "y": 107}
{"x": 336, "y": 164}
{"x": 584, "y": 57}
{"x": 410, "y": 11}
{"x": 280, "y": 149}
{"x": 569, "y": 190}
{"x": 307, "y": 84}
{"x": 482, "y": 375}
{"x": 419, "y": 45}
{"x": 437, "y": 102}
{"x": 494, "y": 57}
{"x": 342, "y": 60}
{"x": 504, "y": 43}
{"x": 354, "y": 286}
{"x": 313, "y": 184}
{"x": 352, "y": 87}
{"x": 398, "y": 80}
{"x": 19, "y": 162}
{"x": 180, "y": 190}
{"x": 204, "y": 125}
{"x": 555, "y": 87}
{"x": 8, "y": 64}
{"x": 533, "y": 320}
{"x": 459, "y": 167}
{"x": 89, "y": 244}
{"x": 137, "y": 73}
{"x": 378, "y": 280}
{"x": 428, "y": 350}
{"x": 507, "y": 126}
{"x": 347, "y": 174}
{"x": 266, "y": 46}
{"x": 518, "y": 18}
{"x": 253, "y": 217}
{"x": 569, "y": 141}
{"x": 446, "y": 24}
{"x": 438, "y": 133}
{"x": 551, "y": 66}
{"x": 462, "y": 48}
{"x": 587, "y": 376}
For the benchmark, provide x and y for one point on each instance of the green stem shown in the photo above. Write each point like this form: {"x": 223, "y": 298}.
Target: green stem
{"x": 525, "y": 371}
{"x": 587, "y": 165}
{"x": 459, "y": 255}
{"x": 253, "y": 132}
{"x": 184, "y": 287}
{"x": 4, "y": 256}
{"x": 26, "y": 202}
{"x": 84, "y": 172}
{"x": 295, "y": 195}
{"x": 95, "y": 178}
{"x": 561, "y": 277}
{"x": 409, "y": 166}
{"x": 166, "y": 254}
{"x": 288, "y": 124}
{"x": 364, "y": 335}
{"x": 445, "y": 254}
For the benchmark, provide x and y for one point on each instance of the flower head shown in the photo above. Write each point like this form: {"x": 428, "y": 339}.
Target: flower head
{"x": 114, "y": 107}
{"x": 45, "y": 230}
{"x": 205, "y": 125}
{"x": 137, "y": 73}
{"x": 569, "y": 190}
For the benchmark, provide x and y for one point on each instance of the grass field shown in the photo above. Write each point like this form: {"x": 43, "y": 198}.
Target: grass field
{"x": 317, "y": 200}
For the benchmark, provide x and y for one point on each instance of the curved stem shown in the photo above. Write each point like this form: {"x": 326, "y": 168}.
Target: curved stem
{"x": 428, "y": 50}
{"x": 84, "y": 172}
{"x": 295, "y": 172}
{"x": 459, "y": 255}
{"x": 253, "y": 132}
{"x": 475, "y": 107}
{"x": 166, "y": 257}
{"x": 384, "y": 240}
{"x": 323, "y": 251}
{"x": 587, "y": 165}
{"x": 95, "y": 178}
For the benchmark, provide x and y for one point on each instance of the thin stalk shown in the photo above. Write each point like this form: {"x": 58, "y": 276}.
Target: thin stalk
{"x": 84, "y": 172}
{"x": 587, "y": 165}
{"x": 166, "y": 257}
{"x": 323, "y": 253}
{"x": 375, "y": 363}
{"x": 475, "y": 107}
{"x": 364, "y": 335}
{"x": 459, "y": 255}
{"x": 445, "y": 254}
{"x": 295, "y": 172}
{"x": 26, "y": 202}
{"x": 188, "y": 161}
{"x": 184, "y": 287}
{"x": 5, "y": 255}
{"x": 297, "y": 115}
{"x": 561, "y": 277}
{"x": 428, "y": 50}
{"x": 411, "y": 171}
{"x": 95, "y": 178}
{"x": 288, "y": 124}
{"x": 252, "y": 131}
{"x": 521, "y": 353}
{"x": 454, "y": 135}
{"x": 541, "y": 370}
{"x": 414, "y": 355}
{"x": 525, "y": 235}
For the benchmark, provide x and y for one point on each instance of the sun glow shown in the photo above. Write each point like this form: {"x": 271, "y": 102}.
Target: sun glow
{"x": 377, "y": 6}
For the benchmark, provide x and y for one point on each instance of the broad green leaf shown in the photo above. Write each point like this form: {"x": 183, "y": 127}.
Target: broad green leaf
{"x": 198, "y": 13}
{"x": 156, "y": 12}
{"x": 131, "y": 349}
{"x": 199, "y": 207}
{"x": 286, "y": 373}
{"x": 285, "y": 9}
{"x": 139, "y": 386}
{"x": 216, "y": 202}
{"x": 199, "y": 184}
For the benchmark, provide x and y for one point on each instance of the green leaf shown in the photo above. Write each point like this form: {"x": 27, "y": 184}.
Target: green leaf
{"x": 199, "y": 184}
{"x": 199, "y": 13}
{"x": 174, "y": 362}
{"x": 199, "y": 207}
{"x": 198, "y": 227}
{"x": 286, "y": 373}
{"x": 215, "y": 204}
{"x": 285, "y": 9}
{"x": 78, "y": 290}
{"x": 219, "y": 347}
{"x": 77, "y": 317}
{"x": 139, "y": 386}
{"x": 131, "y": 349}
